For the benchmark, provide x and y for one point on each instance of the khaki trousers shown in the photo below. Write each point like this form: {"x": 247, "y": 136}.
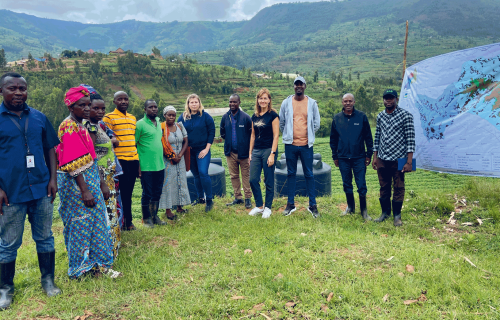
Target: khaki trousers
{"x": 234, "y": 164}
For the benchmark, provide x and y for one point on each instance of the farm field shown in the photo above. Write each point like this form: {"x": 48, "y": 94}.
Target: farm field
{"x": 228, "y": 265}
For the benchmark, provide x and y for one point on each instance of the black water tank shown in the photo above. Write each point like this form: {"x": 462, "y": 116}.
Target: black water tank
{"x": 217, "y": 174}
{"x": 322, "y": 178}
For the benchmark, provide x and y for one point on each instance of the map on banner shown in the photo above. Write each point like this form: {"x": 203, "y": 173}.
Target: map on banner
{"x": 455, "y": 102}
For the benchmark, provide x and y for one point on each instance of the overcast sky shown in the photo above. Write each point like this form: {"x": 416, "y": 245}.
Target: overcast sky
{"x": 106, "y": 11}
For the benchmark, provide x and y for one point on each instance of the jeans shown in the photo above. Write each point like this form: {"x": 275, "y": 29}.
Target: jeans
{"x": 12, "y": 226}
{"x": 199, "y": 169}
{"x": 127, "y": 183}
{"x": 259, "y": 163}
{"x": 347, "y": 168}
{"x": 389, "y": 176}
{"x": 305, "y": 154}
{"x": 152, "y": 186}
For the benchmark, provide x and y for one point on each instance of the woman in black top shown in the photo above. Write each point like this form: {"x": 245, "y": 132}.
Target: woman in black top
{"x": 263, "y": 151}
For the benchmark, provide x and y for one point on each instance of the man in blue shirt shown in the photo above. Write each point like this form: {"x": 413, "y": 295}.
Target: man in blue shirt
{"x": 28, "y": 184}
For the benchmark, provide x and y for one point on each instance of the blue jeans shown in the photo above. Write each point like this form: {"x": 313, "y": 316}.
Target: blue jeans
{"x": 347, "y": 168}
{"x": 152, "y": 185}
{"x": 257, "y": 165}
{"x": 12, "y": 227}
{"x": 199, "y": 169}
{"x": 305, "y": 154}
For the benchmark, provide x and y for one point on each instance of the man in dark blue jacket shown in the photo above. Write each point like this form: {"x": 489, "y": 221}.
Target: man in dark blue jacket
{"x": 349, "y": 135}
{"x": 235, "y": 129}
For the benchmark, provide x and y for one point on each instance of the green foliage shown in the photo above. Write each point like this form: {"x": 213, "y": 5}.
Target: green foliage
{"x": 3, "y": 61}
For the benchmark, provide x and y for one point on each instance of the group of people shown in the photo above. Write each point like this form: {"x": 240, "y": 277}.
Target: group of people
{"x": 94, "y": 159}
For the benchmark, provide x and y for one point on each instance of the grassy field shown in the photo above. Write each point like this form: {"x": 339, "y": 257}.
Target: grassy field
{"x": 228, "y": 265}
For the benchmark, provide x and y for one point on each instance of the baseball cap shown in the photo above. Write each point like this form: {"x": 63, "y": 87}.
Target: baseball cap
{"x": 299, "y": 78}
{"x": 390, "y": 92}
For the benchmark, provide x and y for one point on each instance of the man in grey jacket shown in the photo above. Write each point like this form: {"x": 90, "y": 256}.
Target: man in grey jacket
{"x": 299, "y": 121}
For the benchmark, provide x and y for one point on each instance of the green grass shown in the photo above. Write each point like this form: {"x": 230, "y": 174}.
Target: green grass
{"x": 193, "y": 267}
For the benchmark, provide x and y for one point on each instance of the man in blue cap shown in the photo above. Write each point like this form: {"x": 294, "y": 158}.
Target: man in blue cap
{"x": 394, "y": 139}
{"x": 299, "y": 121}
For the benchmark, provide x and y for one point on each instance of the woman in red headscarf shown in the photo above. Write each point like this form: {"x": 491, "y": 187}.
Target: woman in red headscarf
{"x": 82, "y": 192}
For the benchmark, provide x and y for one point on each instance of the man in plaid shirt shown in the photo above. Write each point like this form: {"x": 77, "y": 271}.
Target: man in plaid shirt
{"x": 394, "y": 139}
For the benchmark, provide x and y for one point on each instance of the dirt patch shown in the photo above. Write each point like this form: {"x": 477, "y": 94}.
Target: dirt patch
{"x": 137, "y": 91}
{"x": 342, "y": 207}
{"x": 173, "y": 243}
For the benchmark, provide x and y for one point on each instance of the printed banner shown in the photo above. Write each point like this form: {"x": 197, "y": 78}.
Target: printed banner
{"x": 455, "y": 102}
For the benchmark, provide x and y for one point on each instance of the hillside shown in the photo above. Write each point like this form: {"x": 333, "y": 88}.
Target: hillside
{"x": 358, "y": 36}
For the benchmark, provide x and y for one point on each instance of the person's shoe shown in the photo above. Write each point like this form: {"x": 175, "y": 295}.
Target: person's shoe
{"x": 198, "y": 201}
{"x": 209, "y": 205}
{"x": 396, "y": 210}
{"x": 255, "y": 211}
{"x": 351, "y": 205}
{"x": 236, "y": 201}
{"x": 181, "y": 210}
{"x": 267, "y": 213}
{"x": 153, "y": 210}
{"x": 46, "y": 263}
{"x": 385, "y": 204}
{"x": 170, "y": 215}
{"x": 248, "y": 203}
{"x": 147, "y": 221}
{"x": 289, "y": 209}
{"x": 362, "y": 207}
{"x": 314, "y": 211}
{"x": 7, "y": 272}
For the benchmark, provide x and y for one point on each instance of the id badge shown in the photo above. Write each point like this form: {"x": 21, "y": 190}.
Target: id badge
{"x": 30, "y": 161}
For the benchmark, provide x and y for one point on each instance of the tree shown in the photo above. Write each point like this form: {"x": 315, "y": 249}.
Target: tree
{"x": 315, "y": 77}
{"x": 50, "y": 63}
{"x": 3, "y": 61}
{"x": 156, "y": 51}
{"x": 350, "y": 76}
{"x": 77, "y": 66}
{"x": 333, "y": 76}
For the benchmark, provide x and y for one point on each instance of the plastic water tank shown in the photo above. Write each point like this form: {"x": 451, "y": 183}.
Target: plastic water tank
{"x": 322, "y": 178}
{"x": 217, "y": 174}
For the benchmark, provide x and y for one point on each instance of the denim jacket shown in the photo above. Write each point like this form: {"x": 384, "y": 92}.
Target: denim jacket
{"x": 286, "y": 120}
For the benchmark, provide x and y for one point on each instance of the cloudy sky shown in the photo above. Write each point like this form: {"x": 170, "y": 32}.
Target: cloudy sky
{"x": 106, "y": 11}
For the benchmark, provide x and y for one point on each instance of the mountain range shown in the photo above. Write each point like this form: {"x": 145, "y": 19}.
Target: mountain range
{"x": 359, "y": 36}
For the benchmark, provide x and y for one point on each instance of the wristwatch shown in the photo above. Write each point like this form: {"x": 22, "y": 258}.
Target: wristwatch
{"x": 273, "y": 152}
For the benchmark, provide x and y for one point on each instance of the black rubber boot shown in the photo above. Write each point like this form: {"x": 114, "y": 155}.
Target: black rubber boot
{"x": 7, "y": 272}
{"x": 385, "y": 204}
{"x": 396, "y": 209}
{"x": 209, "y": 205}
{"x": 147, "y": 221}
{"x": 248, "y": 203}
{"x": 235, "y": 202}
{"x": 47, "y": 263}
{"x": 351, "y": 205}
{"x": 362, "y": 207}
{"x": 153, "y": 210}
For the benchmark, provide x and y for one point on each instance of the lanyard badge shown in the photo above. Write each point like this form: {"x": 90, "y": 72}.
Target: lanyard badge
{"x": 30, "y": 159}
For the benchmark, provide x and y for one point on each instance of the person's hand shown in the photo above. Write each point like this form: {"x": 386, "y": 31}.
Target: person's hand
{"x": 367, "y": 161}
{"x": 88, "y": 199}
{"x": 270, "y": 160}
{"x": 3, "y": 199}
{"x": 105, "y": 191}
{"x": 203, "y": 153}
{"x": 250, "y": 157}
{"x": 375, "y": 163}
{"x": 407, "y": 168}
{"x": 177, "y": 159}
{"x": 336, "y": 162}
{"x": 115, "y": 142}
{"x": 52, "y": 189}
{"x": 140, "y": 172}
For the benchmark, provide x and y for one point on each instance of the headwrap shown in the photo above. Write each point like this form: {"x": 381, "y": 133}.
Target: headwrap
{"x": 75, "y": 94}
{"x": 89, "y": 88}
{"x": 167, "y": 109}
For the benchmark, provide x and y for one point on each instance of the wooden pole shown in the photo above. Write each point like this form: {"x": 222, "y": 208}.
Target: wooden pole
{"x": 404, "y": 56}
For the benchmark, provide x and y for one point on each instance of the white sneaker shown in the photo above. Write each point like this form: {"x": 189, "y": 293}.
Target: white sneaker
{"x": 255, "y": 211}
{"x": 267, "y": 213}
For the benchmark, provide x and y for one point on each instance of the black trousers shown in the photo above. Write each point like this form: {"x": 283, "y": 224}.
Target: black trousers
{"x": 127, "y": 183}
{"x": 152, "y": 186}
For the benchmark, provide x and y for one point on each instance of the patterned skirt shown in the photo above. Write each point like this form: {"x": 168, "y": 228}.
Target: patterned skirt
{"x": 86, "y": 231}
{"x": 112, "y": 208}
